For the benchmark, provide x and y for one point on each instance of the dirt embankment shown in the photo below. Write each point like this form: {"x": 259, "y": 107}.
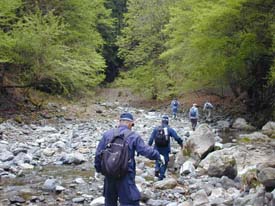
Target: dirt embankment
{"x": 36, "y": 106}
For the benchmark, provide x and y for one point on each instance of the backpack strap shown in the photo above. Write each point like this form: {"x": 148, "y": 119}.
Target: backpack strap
{"x": 116, "y": 133}
{"x": 127, "y": 134}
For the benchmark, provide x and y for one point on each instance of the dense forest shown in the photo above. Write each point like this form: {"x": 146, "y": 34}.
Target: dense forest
{"x": 158, "y": 47}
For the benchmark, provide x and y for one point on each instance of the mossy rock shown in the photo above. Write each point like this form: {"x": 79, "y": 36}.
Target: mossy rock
{"x": 245, "y": 140}
{"x": 250, "y": 180}
{"x": 18, "y": 119}
{"x": 1, "y": 120}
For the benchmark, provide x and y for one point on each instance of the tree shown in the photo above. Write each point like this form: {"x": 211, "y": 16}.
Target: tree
{"x": 55, "y": 43}
{"x": 141, "y": 43}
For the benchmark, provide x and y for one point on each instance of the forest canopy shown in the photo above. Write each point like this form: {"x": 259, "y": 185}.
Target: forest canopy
{"x": 161, "y": 48}
{"x": 55, "y": 45}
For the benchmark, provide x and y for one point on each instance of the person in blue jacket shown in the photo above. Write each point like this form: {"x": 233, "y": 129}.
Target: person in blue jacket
{"x": 124, "y": 189}
{"x": 194, "y": 116}
{"x": 164, "y": 150}
{"x": 174, "y": 107}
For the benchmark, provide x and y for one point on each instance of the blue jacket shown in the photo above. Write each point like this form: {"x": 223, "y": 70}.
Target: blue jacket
{"x": 171, "y": 133}
{"x": 197, "y": 113}
{"x": 135, "y": 143}
{"x": 174, "y": 105}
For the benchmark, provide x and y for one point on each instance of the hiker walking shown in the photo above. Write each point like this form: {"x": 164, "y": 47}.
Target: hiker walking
{"x": 161, "y": 137}
{"x": 207, "y": 108}
{"x": 117, "y": 147}
{"x": 194, "y": 116}
{"x": 174, "y": 107}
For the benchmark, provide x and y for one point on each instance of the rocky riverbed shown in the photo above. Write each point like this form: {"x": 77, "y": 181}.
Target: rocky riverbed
{"x": 51, "y": 163}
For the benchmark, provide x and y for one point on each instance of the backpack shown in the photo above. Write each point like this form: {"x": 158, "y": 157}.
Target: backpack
{"x": 161, "y": 140}
{"x": 193, "y": 112}
{"x": 209, "y": 106}
{"x": 115, "y": 156}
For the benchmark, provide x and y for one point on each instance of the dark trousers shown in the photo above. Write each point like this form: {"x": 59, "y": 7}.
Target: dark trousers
{"x": 123, "y": 190}
{"x": 160, "y": 168}
{"x": 194, "y": 123}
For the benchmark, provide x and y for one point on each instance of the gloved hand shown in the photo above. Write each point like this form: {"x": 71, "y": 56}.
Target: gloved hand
{"x": 162, "y": 160}
{"x": 97, "y": 176}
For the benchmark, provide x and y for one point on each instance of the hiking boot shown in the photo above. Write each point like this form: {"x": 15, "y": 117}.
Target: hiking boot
{"x": 156, "y": 173}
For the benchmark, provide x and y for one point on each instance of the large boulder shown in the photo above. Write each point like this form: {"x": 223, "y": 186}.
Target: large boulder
{"x": 202, "y": 141}
{"x": 266, "y": 174}
{"x": 241, "y": 124}
{"x": 269, "y": 126}
{"x": 218, "y": 164}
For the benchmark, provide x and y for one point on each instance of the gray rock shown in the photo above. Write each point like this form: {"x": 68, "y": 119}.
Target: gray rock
{"x": 202, "y": 141}
{"x": 164, "y": 184}
{"x": 50, "y": 185}
{"x": 241, "y": 124}
{"x": 78, "y": 200}
{"x": 157, "y": 202}
{"x": 16, "y": 199}
{"x": 6, "y": 156}
{"x": 200, "y": 198}
{"x": 98, "y": 202}
{"x": 267, "y": 177}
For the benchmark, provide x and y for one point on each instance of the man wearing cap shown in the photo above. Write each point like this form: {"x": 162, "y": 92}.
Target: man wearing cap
{"x": 194, "y": 116}
{"x": 124, "y": 189}
{"x": 164, "y": 150}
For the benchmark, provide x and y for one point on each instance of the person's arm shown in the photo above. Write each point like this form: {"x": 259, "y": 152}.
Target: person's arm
{"x": 99, "y": 149}
{"x": 174, "y": 134}
{"x": 146, "y": 150}
{"x": 152, "y": 137}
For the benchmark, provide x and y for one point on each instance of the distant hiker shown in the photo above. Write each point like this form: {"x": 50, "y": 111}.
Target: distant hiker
{"x": 115, "y": 145}
{"x": 207, "y": 108}
{"x": 161, "y": 136}
{"x": 174, "y": 107}
{"x": 194, "y": 116}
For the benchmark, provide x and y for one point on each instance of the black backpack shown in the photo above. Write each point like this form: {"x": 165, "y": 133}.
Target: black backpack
{"x": 161, "y": 140}
{"x": 115, "y": 156}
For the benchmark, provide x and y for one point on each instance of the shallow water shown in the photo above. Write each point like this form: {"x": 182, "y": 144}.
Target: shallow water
{"x": 29, "y": 185}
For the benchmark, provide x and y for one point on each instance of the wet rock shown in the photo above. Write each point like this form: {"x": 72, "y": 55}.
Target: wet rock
{"x": 16, "y": 199}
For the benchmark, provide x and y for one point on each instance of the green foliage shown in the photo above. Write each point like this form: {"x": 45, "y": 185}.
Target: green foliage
{"x": 56, "y": 42}
{"x": 141, "y": 43}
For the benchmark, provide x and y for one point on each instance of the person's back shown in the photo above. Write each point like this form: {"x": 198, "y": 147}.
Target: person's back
{"x": 163, "y": 149}
{"x": 174, "y": 107}
{"x": 124, "y": 188}
{"x": 193, "y": 116}
{"x": 208, "y": 107}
